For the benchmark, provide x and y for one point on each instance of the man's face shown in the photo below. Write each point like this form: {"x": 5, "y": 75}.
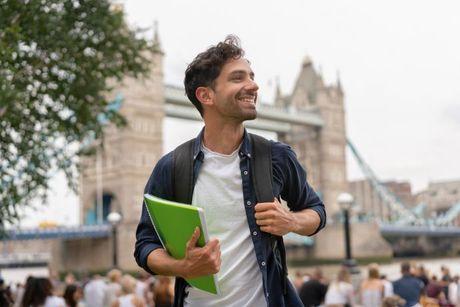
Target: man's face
{"x": 235, "y": 92}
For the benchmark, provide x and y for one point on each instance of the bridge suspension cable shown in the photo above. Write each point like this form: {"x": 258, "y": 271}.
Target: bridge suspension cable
{"x": 399, "y": 211}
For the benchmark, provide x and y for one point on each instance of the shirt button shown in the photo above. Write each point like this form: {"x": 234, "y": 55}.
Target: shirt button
{"x": 248, "y": 203}
{"x": 255, "y": 233}
{"x": 245, "y": 172}
{"x": 263, "y": 263}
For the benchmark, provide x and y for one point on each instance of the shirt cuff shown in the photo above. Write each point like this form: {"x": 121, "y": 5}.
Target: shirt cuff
{"x": 322, "y": 215}
{"x": 145, "y": 254}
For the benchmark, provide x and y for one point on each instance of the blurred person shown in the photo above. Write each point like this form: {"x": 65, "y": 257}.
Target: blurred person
{"x": 58, "y": 285}
{"x": 73, "y": 295}
{"x": 340, "y": 292}
{"x": 128, "y": 296}
{"x": 142, "y": 284}
{"x": 453, "y": 291}
{"x": 20, "y": 292}
{"x": 313, "y": 291}
{"x": 6, "y": 298}
{"x": 94, "y": 291}
{"x": 372, "y": 289}
{"x": 445, "y": 280}
{"x": 394, "y": 301}
{"x": 299, "y": 279}
{"x": 408, "y": 287}
{"x": 163, "y": 292}
{"x": 150, "y": 296}
{"x": 422, "y": 274}
{"x": 426, "y": 301}
{"x": 434, "y": 288}
{"x": 69, "y": 279}
{"x": 39, "y": 293}
{"x": 387, "y": 286}
{"x": 113, "y": 289}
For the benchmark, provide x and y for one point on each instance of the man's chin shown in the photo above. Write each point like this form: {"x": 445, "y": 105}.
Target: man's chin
{"x": 250, "y": 116}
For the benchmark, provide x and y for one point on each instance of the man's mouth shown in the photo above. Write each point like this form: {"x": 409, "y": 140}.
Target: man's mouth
{"x": 249, "y": 99}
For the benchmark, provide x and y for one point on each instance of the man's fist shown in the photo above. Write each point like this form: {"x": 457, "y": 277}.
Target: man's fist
{"x": 200, "y": 261}
{"x": 274, "y": 218}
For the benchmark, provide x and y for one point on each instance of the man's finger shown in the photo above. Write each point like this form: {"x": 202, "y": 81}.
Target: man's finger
{"x": 264, "y": 215}
{"x": 266, "y": 229}
{"x": 212, "y": 244}
{"x": 264, "y": 206}
{"x": 193, "y": 239}
{"x": 264, "y": 222}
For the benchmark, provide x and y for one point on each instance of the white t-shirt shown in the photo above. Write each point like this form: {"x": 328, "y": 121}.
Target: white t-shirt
{"x": 219, "y": 192}
{"x": 54, "y": 301}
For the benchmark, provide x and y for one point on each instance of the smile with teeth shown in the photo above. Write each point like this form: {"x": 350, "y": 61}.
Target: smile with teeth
{"x": 248, "y": 99}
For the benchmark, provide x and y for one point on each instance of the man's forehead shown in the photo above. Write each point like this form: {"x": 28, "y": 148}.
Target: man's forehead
{"x": 240, "y": 64}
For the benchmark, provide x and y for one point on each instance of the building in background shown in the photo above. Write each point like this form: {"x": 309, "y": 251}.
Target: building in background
{"x": 440, "y": 197}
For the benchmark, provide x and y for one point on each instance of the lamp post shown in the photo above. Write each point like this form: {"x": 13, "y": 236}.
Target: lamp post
{"x": 114, "y": 219}
{"x": 345, "y": 201}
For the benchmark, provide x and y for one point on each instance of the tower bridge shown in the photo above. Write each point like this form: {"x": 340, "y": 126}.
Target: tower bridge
{"x": 311, "y": 119}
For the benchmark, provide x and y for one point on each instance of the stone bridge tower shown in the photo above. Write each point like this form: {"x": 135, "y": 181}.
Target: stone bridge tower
{"x": 125, "y": 162}
{"x": 321, "y": 150}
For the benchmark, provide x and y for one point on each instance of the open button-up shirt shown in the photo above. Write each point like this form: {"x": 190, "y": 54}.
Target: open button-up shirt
{"x": 289, "y": 183}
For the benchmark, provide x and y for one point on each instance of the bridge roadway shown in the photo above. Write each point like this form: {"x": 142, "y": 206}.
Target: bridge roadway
{"x": 269, "y": 118}
{"x": 389, "y": 230}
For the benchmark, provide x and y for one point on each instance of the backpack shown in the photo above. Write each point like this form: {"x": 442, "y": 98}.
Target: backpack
{"x": 262, "y": 176}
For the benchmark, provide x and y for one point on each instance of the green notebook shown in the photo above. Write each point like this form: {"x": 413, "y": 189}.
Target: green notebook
{"x": 174, "y": 224}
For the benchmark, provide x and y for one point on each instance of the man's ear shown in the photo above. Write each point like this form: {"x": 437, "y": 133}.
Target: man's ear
{"x": 205, "y": 95}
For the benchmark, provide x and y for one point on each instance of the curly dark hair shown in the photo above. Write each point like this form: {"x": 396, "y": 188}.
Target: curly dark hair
{"x": 206, "y": 67}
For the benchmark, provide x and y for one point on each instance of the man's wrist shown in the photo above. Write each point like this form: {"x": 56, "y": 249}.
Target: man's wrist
{"x": 294, "y": 225}
{"x": 181, "y": 267}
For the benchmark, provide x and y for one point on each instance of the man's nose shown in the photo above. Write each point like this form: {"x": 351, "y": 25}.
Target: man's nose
{"x": 252, "y": 85}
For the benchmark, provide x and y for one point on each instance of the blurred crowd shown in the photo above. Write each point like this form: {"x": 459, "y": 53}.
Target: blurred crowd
{"x": 115, "y": 289}
{"x": 416, "y": 288}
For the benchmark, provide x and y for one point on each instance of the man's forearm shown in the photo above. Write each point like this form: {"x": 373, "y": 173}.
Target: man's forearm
{"x": 160, "y": 262}
{"x": 306, "y": 222}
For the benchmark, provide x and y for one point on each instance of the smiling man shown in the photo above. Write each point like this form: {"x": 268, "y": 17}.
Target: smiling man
{"x": 246, "y": 251}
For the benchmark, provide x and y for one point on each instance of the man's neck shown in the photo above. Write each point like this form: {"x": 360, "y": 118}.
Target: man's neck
{"x": 223, "y": 139}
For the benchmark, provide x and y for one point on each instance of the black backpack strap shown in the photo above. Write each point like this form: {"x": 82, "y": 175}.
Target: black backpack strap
{"x": 262, "y": 179}
{"x": 182, "y": 174}
{"x": 262, "y": 171}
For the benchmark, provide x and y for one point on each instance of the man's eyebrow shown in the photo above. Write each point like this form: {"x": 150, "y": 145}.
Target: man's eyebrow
{"x": 238, "y": 72}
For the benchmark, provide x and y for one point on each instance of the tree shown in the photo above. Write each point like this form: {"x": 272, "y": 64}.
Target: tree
{"x": 57, "y": 61}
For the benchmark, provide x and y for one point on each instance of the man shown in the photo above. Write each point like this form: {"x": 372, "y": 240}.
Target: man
{"x": 408, "y": 287}
{"x": 220, "y": 83}
{"x": 313, "y": 291}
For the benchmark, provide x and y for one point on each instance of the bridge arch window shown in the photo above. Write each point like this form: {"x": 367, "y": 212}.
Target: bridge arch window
{"x": 91, "y": 215}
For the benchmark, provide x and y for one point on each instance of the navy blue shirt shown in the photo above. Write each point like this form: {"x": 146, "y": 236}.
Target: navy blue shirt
{"x": 289, "y": 183}
{"x": 409, "y": 288}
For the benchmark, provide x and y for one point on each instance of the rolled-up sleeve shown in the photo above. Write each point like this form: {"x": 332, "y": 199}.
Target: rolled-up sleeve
{"x": 147, "y": 239}
{"x": 295, "y": 189}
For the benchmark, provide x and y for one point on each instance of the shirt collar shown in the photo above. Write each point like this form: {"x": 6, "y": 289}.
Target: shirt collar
{"x": 245, "y": 149}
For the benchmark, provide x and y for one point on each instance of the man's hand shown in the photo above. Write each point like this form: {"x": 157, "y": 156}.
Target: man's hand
{"x": 274, "y": 218}
{"x": 200, "y": 261}
{"x": 278, "y": 220}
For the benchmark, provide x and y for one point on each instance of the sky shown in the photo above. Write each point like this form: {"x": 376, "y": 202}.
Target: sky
{"x": 398, "y": 61}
